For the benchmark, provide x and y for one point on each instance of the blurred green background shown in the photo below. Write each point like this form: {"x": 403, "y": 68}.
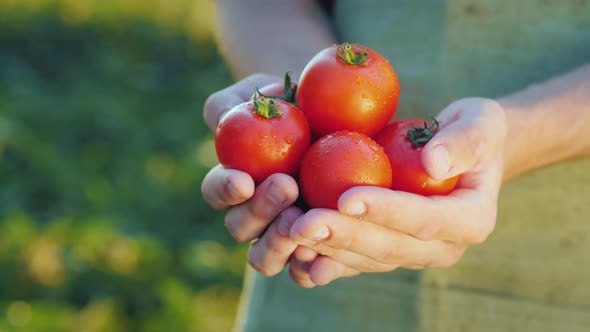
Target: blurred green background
{"x": 102, "y": 150}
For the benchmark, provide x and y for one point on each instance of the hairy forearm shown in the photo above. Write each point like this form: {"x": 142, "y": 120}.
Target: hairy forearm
{"x": 271, "y": 36}
{"x": 548, "y": 122}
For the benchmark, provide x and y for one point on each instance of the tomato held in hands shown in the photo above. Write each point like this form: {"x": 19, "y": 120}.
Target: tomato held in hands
{"x": 403, "y": 141}
{"x": 262, "y": 137}
{"x": 348, "y": 87}
{"x": 338, "y": 162}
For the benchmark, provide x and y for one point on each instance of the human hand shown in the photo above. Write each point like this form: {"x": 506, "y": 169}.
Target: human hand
{"x": 251, "y": 209}
{"x": 379, "y": 230}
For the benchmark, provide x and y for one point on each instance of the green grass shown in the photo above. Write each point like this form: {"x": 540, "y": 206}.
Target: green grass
{"x": 102, "y": 150}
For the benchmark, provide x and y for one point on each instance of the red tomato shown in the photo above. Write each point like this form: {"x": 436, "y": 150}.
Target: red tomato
{"x": 338, "y": 162}
{"x": 262, "y": 137}
{"x": 348, "y": 87}
{"x": 405, "y": 157}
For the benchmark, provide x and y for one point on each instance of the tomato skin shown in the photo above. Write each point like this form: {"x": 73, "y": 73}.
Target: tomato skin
{"x": 406, "y": 161}
{"x": 338, "y": 162}
{"x": 262, "y": 146}
{"x": 335, "y": 95}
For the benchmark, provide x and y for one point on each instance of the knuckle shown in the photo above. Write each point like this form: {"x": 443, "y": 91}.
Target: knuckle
{"x": 211, "y": 108}
{"x": 211, "y": 101}
{"x": 493, "y": 110}
{"x": 452, "y": 257}
{"x": 308, "y": 221}
{"x": 241, "y": 237}
{"x": 261, "y": 264}
{"x": 236, "y": 232}
{"x": 259, "y": 208}
{"x": 230, "y": 224}
{"x": 481, "y": 232}
{"x": 276, "y": 250}
{"x": 490, "y": 107}
{"x": 300, "y": 280}
{"x": 274, "y": 246}
{"x": 493, "y": 117}
{"x": 479, "y": 237}
{"x": 261, "y": 268}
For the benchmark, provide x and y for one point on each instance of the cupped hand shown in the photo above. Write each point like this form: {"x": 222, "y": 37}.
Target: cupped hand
{"x": 251, "y": 209}
{"x": 380, "y": 230}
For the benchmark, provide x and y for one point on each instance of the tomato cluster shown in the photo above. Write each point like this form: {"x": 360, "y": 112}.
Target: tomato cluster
{"x": 346, "y": 96}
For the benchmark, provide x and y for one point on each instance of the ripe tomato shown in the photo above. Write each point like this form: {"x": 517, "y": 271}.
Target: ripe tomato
{"x": 262, "y": 137}
{"x": 338, "y": 162}
{"x": 403, "y": 141}
{"x": 348, "y": 87}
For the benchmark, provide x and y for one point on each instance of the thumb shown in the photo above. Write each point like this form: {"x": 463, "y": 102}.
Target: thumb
{"x": 476, "y": 129}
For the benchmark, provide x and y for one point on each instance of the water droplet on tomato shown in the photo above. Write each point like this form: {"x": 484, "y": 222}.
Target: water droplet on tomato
{"x": 289, "y": 139}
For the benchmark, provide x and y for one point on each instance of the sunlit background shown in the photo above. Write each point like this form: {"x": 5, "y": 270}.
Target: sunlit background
{"x": 102, "y": 150}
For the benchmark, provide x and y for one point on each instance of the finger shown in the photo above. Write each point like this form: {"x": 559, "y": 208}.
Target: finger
{"x": 222, "y": 101}
{"x": 424, "y": 218}
{"x": 248, "y": 220}
{"x": 352, "y": 260}
{"x": 324, "y": 270}
{"x": 271, "y": 252}
{"x": 325, "y": 227}
{"x": 222, "y": 187}
{"x": 473, "y": 129}
{"x": 299, "y": 265}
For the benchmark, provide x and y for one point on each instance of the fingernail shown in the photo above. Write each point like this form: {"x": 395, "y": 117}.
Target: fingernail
{"x": 442, "y": 160}
{"x": 356, "y": 209}
{"x": 318, "y": 234}
{"x": 275, "y": 195}
{"x": 233, "y": 190}
{"x": 284, "y": 226}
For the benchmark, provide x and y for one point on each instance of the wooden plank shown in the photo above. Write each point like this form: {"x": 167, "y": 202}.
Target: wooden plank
{"x": 446, "y": 310}
{"x": 540, "y": 249}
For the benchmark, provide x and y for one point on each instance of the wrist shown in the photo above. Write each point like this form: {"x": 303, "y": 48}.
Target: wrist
{"x": 537, "y": 134}
{"x": 516, "y": 146}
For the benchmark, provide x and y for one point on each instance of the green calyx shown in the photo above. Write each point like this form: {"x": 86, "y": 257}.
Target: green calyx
{"x": 346, "y": 53}
{"x": 419, "y": 136}
{"x": 289, "y": 91}
{"x": 266, "y": 107}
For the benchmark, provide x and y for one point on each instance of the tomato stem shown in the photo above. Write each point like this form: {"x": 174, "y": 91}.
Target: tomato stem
{"x": 265, "y": 107}
{"x": 346, "y": 53}
{"x": 419, "y": 136}
{"x": 289, "y": 91}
